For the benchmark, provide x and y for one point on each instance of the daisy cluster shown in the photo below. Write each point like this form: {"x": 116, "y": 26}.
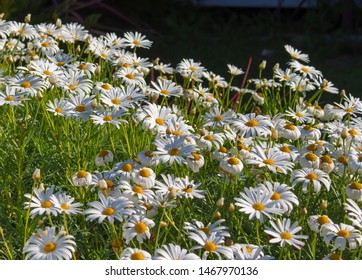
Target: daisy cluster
{"x": 210, "y": 170}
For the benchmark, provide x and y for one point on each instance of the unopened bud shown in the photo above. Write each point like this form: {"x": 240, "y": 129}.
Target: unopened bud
{"x": 342, "y": 94}
{"x": 58, "y": 23}
{"x": 41, "y": 187}
{"x": 220, "y": 203}
{"x": 262, "y": 65}
{"x": 231, "y": 208}
{"x": 36, "y": 175}
{"x": 53, "y": 78}
{"x": 193, "y": 112}
{"x": 344, "y": 133}
{"x": 172, "y": 194}
{"x": 324, "y": 204}
{"x": 10, "y": 59}
{"x": 163, "y": 224}
{"x": 276, "y": 66}
{"x": 27, "y": 19}
{"x": 217, "y": 215}
{"x": 94, "y": 103}
{"x": 303, "y": 211}
{"x": 39, "y": 96}
{"x": 2, "y": 15}
{"x": 102, "y": 184}
{"x": 156, "y": 61}
{"x": 274, "y": 134}
{"x": 78, "y": 50}
{"x": 97, "y": 71}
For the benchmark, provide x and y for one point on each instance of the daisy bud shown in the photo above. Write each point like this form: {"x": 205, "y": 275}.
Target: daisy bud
{"x": 324, "y": 204}
{"x": 203, "y": 132}
{"x": 156, "y": 61}
{"x": 39, "y": 96}
{"x": 78, "y": 49}
{"x": 193, "y": 112}
{"x": 217, "y": 215}
{"x": 163, "y": 224}
{"x": 58, "y": 23}
{"x": 102, "y": 184}
{"x": 342, "y": 94}
{"x": 220, "y": 203}
{"x": 10, "y": 59}
{"x": 303, "y": 211}
{"x": 344, "y": 133}
{"x": 94, "y": 104}
{"x": 229, "y": 242}
{"x": 89, "y": 39}
{"x": 53, "y": 78}
{"x": 97, "y": 71}
{"x": 36, "y": 175}
{"x": 2, "y": 15}
{"x": 231, "y": 208}
{"x": 1, "y": 231}
{"x": 27, "y": 19}
{"x": 40, "y": 223}
{"x": 274, "y": 134}
{"x": 262, "y": 65}
{"x": 172, "y": 194}
{"x": 276, "y": 66}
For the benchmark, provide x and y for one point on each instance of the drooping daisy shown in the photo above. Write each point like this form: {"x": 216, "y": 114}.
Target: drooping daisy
{"x": 109, "y": 208}
{"x": 309, "y": 160}
{"x": 135, "y": 254}
{"x": 257, "y": 203}
{"x": 103, "y": 157}
{"x": 289, "y": 131}
{"x": 82, "y": 178}
{"x": 41, "y": 202}
{"x": 272, "y": 159}
{"x": 195, "y": 162}
{"x": 354, "y": 212}
{"x": 47, "y": 245}
{"x": 144, "y": 177}
{"x": 310, "y": 176}
{"x": 354, "y": 191}
{"x": 284, "y": 233}
{"x": 137, "y": 226}
{"x": 211, "y": 244}
{"x": 231, "y": 165}
{"x": 342, "y": 234}
{"x": 315, "y": 222}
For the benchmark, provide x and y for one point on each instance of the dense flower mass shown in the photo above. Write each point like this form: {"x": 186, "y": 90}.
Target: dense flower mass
{"x": 141, "y": 160}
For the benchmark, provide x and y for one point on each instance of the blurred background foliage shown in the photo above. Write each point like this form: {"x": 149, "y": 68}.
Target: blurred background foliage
{"x": 330, "y": 32}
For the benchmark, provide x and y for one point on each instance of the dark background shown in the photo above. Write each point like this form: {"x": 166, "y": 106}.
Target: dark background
{"x": 331, "y": 32}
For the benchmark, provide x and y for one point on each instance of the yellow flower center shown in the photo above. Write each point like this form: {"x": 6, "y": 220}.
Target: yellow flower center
{"x": 276, "y": 196}
{"x": 335, "y": 257}
{"x": 64, "y": 206}
{"x": 107, "y": 118}
{"x": 344, "y": 233}
{"x": 360, "y": 158}
{"x": 21, "y": 31}
{"x": 110, "y": 184}
{"x": 355, "y": 186}
{"x": 71, "y": 87}
{"x": 311, "y": 176}
{"x": 299, "y": 114}
{"x": 46, "y": 204}
{"x": 285, "y": 235}
{"x": 269, "y": 161}
{"x": 130, "y": 76}
{"x": 116, "y": 101}
{"x": 174, "y": 152}
{"x": 145, "y": 172}
{"x": 209, "y": 137}
{"x": 159, "y": 121}
{"x": 140, "y": 227}
{"x": 109, "y": 211}
{"x": 349, "y": 110}
{"x": 80, "y": 108}
{"x": 127, "y": 167}
{"x": 188, "y": 190}
{"x": 343, "y": 159}
{"x": 106, "y": 86}
{"x": 223, "y": 150}
{"x": 233, "y": 161}
{"x": 252, "y": 123}
{"x": 25, "y": 84}
{"x": 258, "y": 206}
{"x": 308, "y": 127}
{"x": 285, "y": 149}
{"x": 305, "y": 69}
{"x": 58, "y": 110}
{"x": 136, "y": 43}
{"x": 47, "y": 72}
{"x": 326, "y": 159}
{"x": 205, "y": 230}
{"x": 218, "y": 118}
{"x": 311, "y": 157}
{"x": 50, "y": 247}
{"x": 82, "y": 174}
{"x": 137, "y": 256}
{"x": 177, "y": 132}
{"x": 289, "y": 126}
{"x": 45, "y": 44}
{"x": 353, "y": 132}
{"x": 60, "y": 63}
{"x": 138, "y": 189}
{"x": 82, "y": 67}
{"x": 165, "y": 91}
{"x": 192, "y": 68}
{"x": 195, "y": 156}
{"x": 9, "y": 98}
{"x": 210, "y": 246}
{"x": 103, "y": 153}
{"x": 323, "y": 220}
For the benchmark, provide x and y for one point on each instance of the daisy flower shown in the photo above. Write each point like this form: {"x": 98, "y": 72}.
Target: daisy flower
{"x": 215, "y": 227}
{"x": 169, "y": 184}
{"x": 354, "y": 212}
{"x": 135, "y": 254}
{"x": 29, "y": 84}
{"x": 41, "y": 202}
{"x": 296, "y": 54}
{"x": 195, "y": 162}
{"x": 189, "y": 189}
{"x": 75, "y": 82}
{"x": 215, "y": 118}
{"x": 309, "y": 160}
{"x": 47, "y": 245}
{"x": 80, "y": 106}
{"x": 282, "y": 195}
{"x": 166, "y": 88}
{"x": 85, "y": 68}
{"x": 210, "y": 139}
{"x": 133, "y": 191}
{"x": 173, "y": 149}
{"x": 305, "y": 70}
{"x": 257, "y": 203}
{"x": 354, "y": 191}
{"x": 145, "y": 177}
{"x": 135, "y": 40}
{"x": 173, "y": 252}
{"x": 109, "y": 208}
{"x": 75, "y": 31}
{"x": 231, "y": 165}
{"x": 47, "y": 46}
{"x": 288, "y": 131}
{"x": 315, "y": 222}
{"x": 109, "y": 116}
{"x": 147, "y": 158}
{"x": 125, "y": 169}
{"x": 23, "y": 30}
{"x": 64, "y": 203}
{"x": 11, "y": 97}
{"x": 300, "y": 114}
{"x": 251, "y": 125}
{"x": 130, "y": 77}
{"x": 211, "y": 244}
{"x": 234, "y": 71}
{"x": 310, "y": 176}
{"x": 284, "y": 233}
{"x": 58, "y": 107}
{"x": 137, "y": 226}
{"x": 43, "y": 68}
{"x": 249, "y": 252}
{"x": 103, "y": 157}
{"x": 82, "y": 178}
{"x": 272, "y": 159}
{"x": 187, "y": 67}
{"x": 341, "y": 233}
{"x": 333, "y": 256}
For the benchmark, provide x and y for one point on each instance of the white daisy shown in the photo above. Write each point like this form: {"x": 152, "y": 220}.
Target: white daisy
{"x": 173, "y": 252}
{"x": 137, "y": 226}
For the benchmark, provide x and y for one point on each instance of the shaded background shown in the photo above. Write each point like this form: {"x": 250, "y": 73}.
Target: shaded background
{"x": 330, "y": 32}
